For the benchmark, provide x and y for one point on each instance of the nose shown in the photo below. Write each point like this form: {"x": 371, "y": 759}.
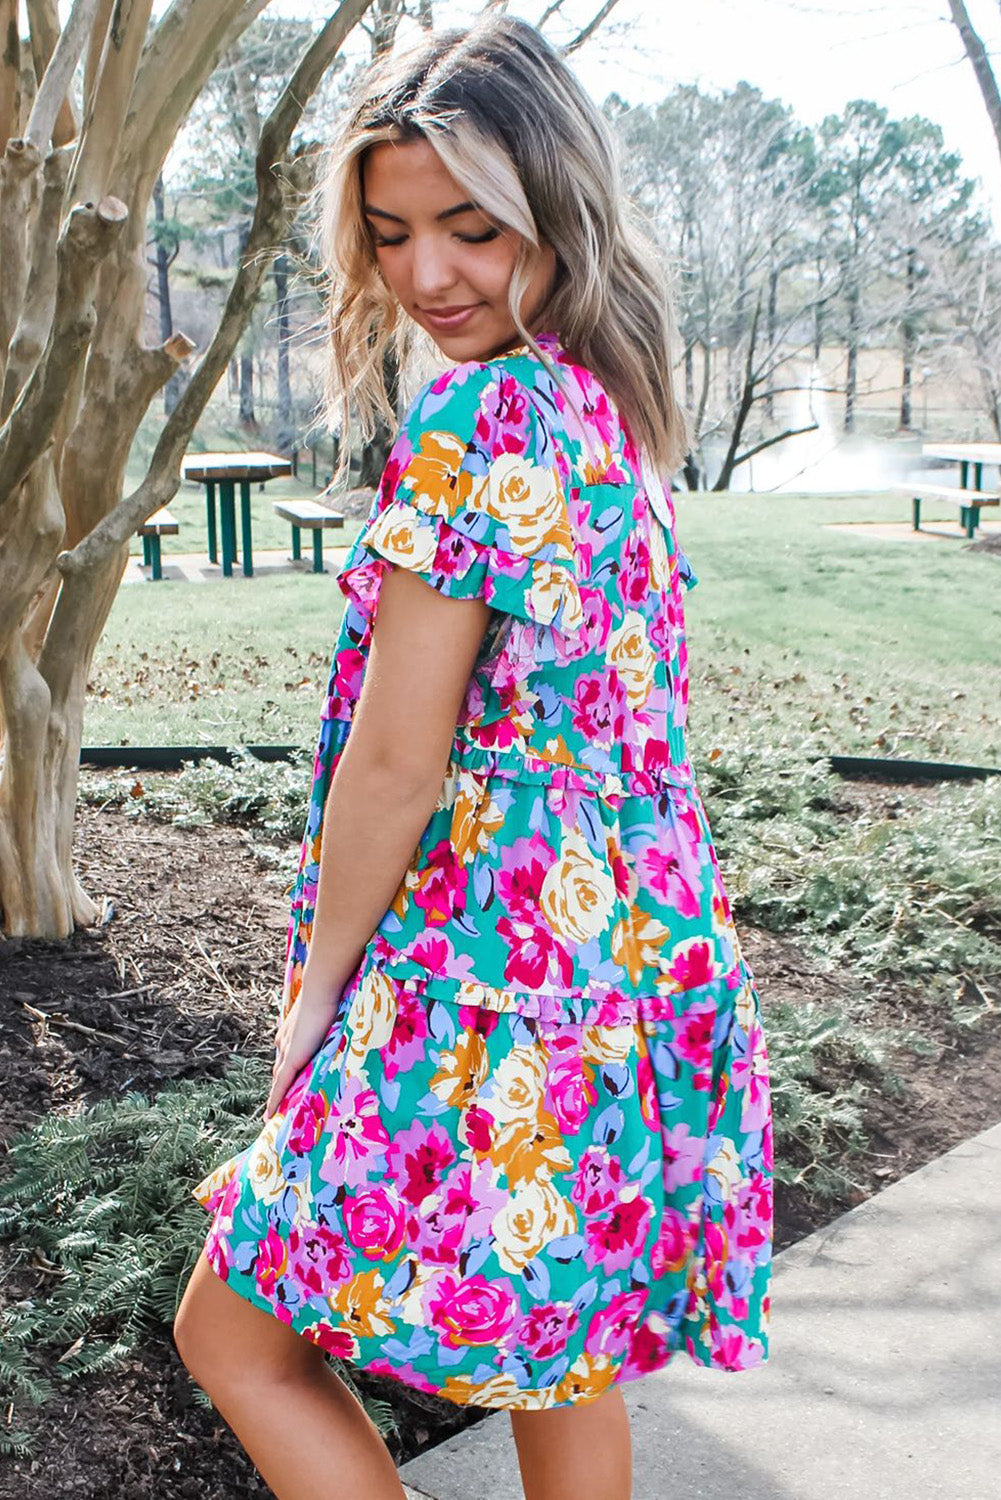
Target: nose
{"x": 431, "y": 268}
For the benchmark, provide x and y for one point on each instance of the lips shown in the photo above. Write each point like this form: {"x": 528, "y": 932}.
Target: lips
{"x": 447, "y": 318}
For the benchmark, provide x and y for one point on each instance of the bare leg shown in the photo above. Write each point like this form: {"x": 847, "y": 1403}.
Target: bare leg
{"x": 307, "y": 1434}
{"x": 576, "y": 1452}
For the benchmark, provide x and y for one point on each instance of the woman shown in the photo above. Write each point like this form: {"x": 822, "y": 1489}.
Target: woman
{"x": 517, "y": 1148}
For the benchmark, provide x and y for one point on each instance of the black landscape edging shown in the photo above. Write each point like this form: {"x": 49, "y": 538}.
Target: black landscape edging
{"x": 171, "y": 758}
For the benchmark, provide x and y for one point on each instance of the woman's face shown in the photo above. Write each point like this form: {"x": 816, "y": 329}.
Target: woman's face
{"x": 447, "y": 262}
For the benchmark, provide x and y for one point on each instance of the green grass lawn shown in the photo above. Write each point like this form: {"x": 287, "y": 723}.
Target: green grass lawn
{"x": 868, "y": 646}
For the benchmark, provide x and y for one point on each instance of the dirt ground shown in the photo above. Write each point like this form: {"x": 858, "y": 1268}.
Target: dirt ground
{"x": 163, "y": 991}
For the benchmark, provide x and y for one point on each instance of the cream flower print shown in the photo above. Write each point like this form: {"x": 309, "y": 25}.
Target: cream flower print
{"x": 264, "y": 1168}
{"x": 529, "y": 500}
{"x": 578, "y": 892}
{"x": 631, "y": 654}
{"x": 405, "y": 537}
{"x": 533, "y": 1215}
{"x": 517, "y": 1085}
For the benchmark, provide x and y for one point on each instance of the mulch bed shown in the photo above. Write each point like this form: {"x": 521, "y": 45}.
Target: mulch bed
{"x": 184, "y": 974}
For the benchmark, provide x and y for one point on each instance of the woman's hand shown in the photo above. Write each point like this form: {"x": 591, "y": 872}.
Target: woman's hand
{"x": 297, "y": 1040}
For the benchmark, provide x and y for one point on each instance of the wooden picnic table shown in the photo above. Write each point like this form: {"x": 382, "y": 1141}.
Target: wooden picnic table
{"x": 227, "y": 470}
{"x": 968, "y": 455}
{"x": 975, "y": 456}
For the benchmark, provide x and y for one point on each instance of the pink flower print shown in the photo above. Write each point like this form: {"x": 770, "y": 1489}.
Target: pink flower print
{"x": 683, "y": 1154}
{"x": 612, "y": 1328}
{"x": 358, "y": 1136}
{"x": 749, "y": 1215}
{"x": 548, "y": 1328}
{"x": 532, "y": 947}
{"x": 503, "y": 426}
{"x": 318, "y": 1258}
{"x": 473, "y": 1311}
{"x": 478, "y": 1018}
{"x": 597, "y": 611}
{"x": 270, "y": 1262}
{"x": 406, "y": 1373}
{"x": 375, "y": 1221}
{"x": 674, "y": 1243}
{"x": 409, "y": 1034}
{"x": 674, "y": 879}
{"x": 418, "y": 1159}
{"x": 435, "y": 1236}
{"x": 570, "y": 1092}
{"x": 522, "y": 873}
{"x": 634, "y": 579}
{"x": 693, "y": 964}
{"x": 307, "y": 1121}
{"x": 717, "y": 1251}
{"x": 218, "y": 1251}
{"x": 647, "y": 1352}
{"x": 441, "y": 888}
{"x": 594, "y": 709}
{"x": 646, "y": 1084}
{"x": 476, "y": 1128}
{"x": 617, "y": 1238}
{"x": 694, "y": 1039}
{"x": 598, "y": 1180}
{"x": 599, "y": 414}
{"x": 470, "y": 1194}
{"x": 733, "y": 1350}
{"x": 340, "y": 1342}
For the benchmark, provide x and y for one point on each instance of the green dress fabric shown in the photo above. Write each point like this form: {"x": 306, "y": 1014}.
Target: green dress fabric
{"x": 533, "y": 1156}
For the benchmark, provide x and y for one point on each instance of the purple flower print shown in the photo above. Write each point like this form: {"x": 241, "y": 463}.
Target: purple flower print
{"x": 358, "y": 1136}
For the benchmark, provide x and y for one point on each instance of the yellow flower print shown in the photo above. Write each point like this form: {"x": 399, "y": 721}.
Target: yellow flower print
{"x": 461, "y": 1071}
{"x": 607, "y": 1044}
{"x": 578, "y": 892}
{"x": 629, "y": 651}
{"x": 476, "y": 818}
{"x": 526, "y": 1150}
{"x": 360, "y": 1302}
{"x": 499, "y": 1391}
{"x": 637, "y": 943}
{"x": 537, "y": 1212}
{"x": 434, "y": 473}
{"x": 586, "y": 1379}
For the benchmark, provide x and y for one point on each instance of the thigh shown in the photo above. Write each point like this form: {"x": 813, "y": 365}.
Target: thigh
{"x": 216, "y": 1328}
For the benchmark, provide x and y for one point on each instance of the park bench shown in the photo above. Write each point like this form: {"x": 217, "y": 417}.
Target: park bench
{"x": 308, "y": 515}
{"x": 968, "y": 502}
{"x": 161, "y": 523}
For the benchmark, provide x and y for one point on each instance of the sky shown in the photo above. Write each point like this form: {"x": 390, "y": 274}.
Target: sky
{"x": 815, "y": 55}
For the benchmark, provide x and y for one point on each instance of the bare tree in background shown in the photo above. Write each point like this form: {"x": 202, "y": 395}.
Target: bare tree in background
{"x": 76, "y": 178}
{"x": 975, "y": 50}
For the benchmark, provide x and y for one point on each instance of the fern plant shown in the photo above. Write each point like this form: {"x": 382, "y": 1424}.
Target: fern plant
{"x": 101, "y": 1201}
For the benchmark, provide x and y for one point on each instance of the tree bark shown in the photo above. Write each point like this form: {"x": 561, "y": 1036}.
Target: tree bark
{"x": 286, "y": 421}
{"x": 977, "y": 53}
{"x": 64, "y": 529}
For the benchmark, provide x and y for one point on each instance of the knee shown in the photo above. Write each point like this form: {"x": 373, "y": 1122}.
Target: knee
{"x": 190, "y": 1340}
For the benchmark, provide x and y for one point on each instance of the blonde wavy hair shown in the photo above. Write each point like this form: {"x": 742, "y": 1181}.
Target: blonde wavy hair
{"x": 513, "y": 126}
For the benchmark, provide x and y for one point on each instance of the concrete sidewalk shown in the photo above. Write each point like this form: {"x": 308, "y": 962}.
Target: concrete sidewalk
{"x": 884, "y": 1379}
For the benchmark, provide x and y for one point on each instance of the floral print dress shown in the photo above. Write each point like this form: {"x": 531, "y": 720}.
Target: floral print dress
{"x": 533, "y": 1156}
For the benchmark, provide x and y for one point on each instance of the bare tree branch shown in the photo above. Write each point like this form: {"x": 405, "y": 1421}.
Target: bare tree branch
{"x": 591, "y": 27}
{"x": 271, "y": 215}
{"x": 977, "y": 53}
{"x": 32, "y": 331}
{"x": 58, "y": 75}
{"x": 779, "y": 437}
{"x": 44, "y": 28}
{"x": 10, "y": 70}
{"x": 88, "y": 235}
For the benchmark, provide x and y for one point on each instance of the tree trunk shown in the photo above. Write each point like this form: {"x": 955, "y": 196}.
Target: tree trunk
{"x": 977, "y": 53}
{"x": 175, "y": 385}
{"x": 908, "y": 345}
{"x": 286, "y": 421}
{"x": 773, "y": 306}
{"x": 81, "y": 381}
{"x": 851, "y": 375}
{"x": 247, "y": 418}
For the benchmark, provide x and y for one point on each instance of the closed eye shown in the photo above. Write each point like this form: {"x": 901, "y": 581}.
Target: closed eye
{"x": 382, "y": 241}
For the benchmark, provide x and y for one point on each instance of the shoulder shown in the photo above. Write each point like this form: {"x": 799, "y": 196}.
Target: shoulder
{"x": 486, "y": 407}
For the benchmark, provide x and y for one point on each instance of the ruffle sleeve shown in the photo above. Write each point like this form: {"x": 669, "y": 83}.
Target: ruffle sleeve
{"x": 472, "y": 501}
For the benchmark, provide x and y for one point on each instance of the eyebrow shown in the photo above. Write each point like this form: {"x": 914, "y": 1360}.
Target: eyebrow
{"x": 447, "y": 213}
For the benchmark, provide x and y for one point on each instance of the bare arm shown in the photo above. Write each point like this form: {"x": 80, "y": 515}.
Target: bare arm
{"x": 385, "y": 787}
